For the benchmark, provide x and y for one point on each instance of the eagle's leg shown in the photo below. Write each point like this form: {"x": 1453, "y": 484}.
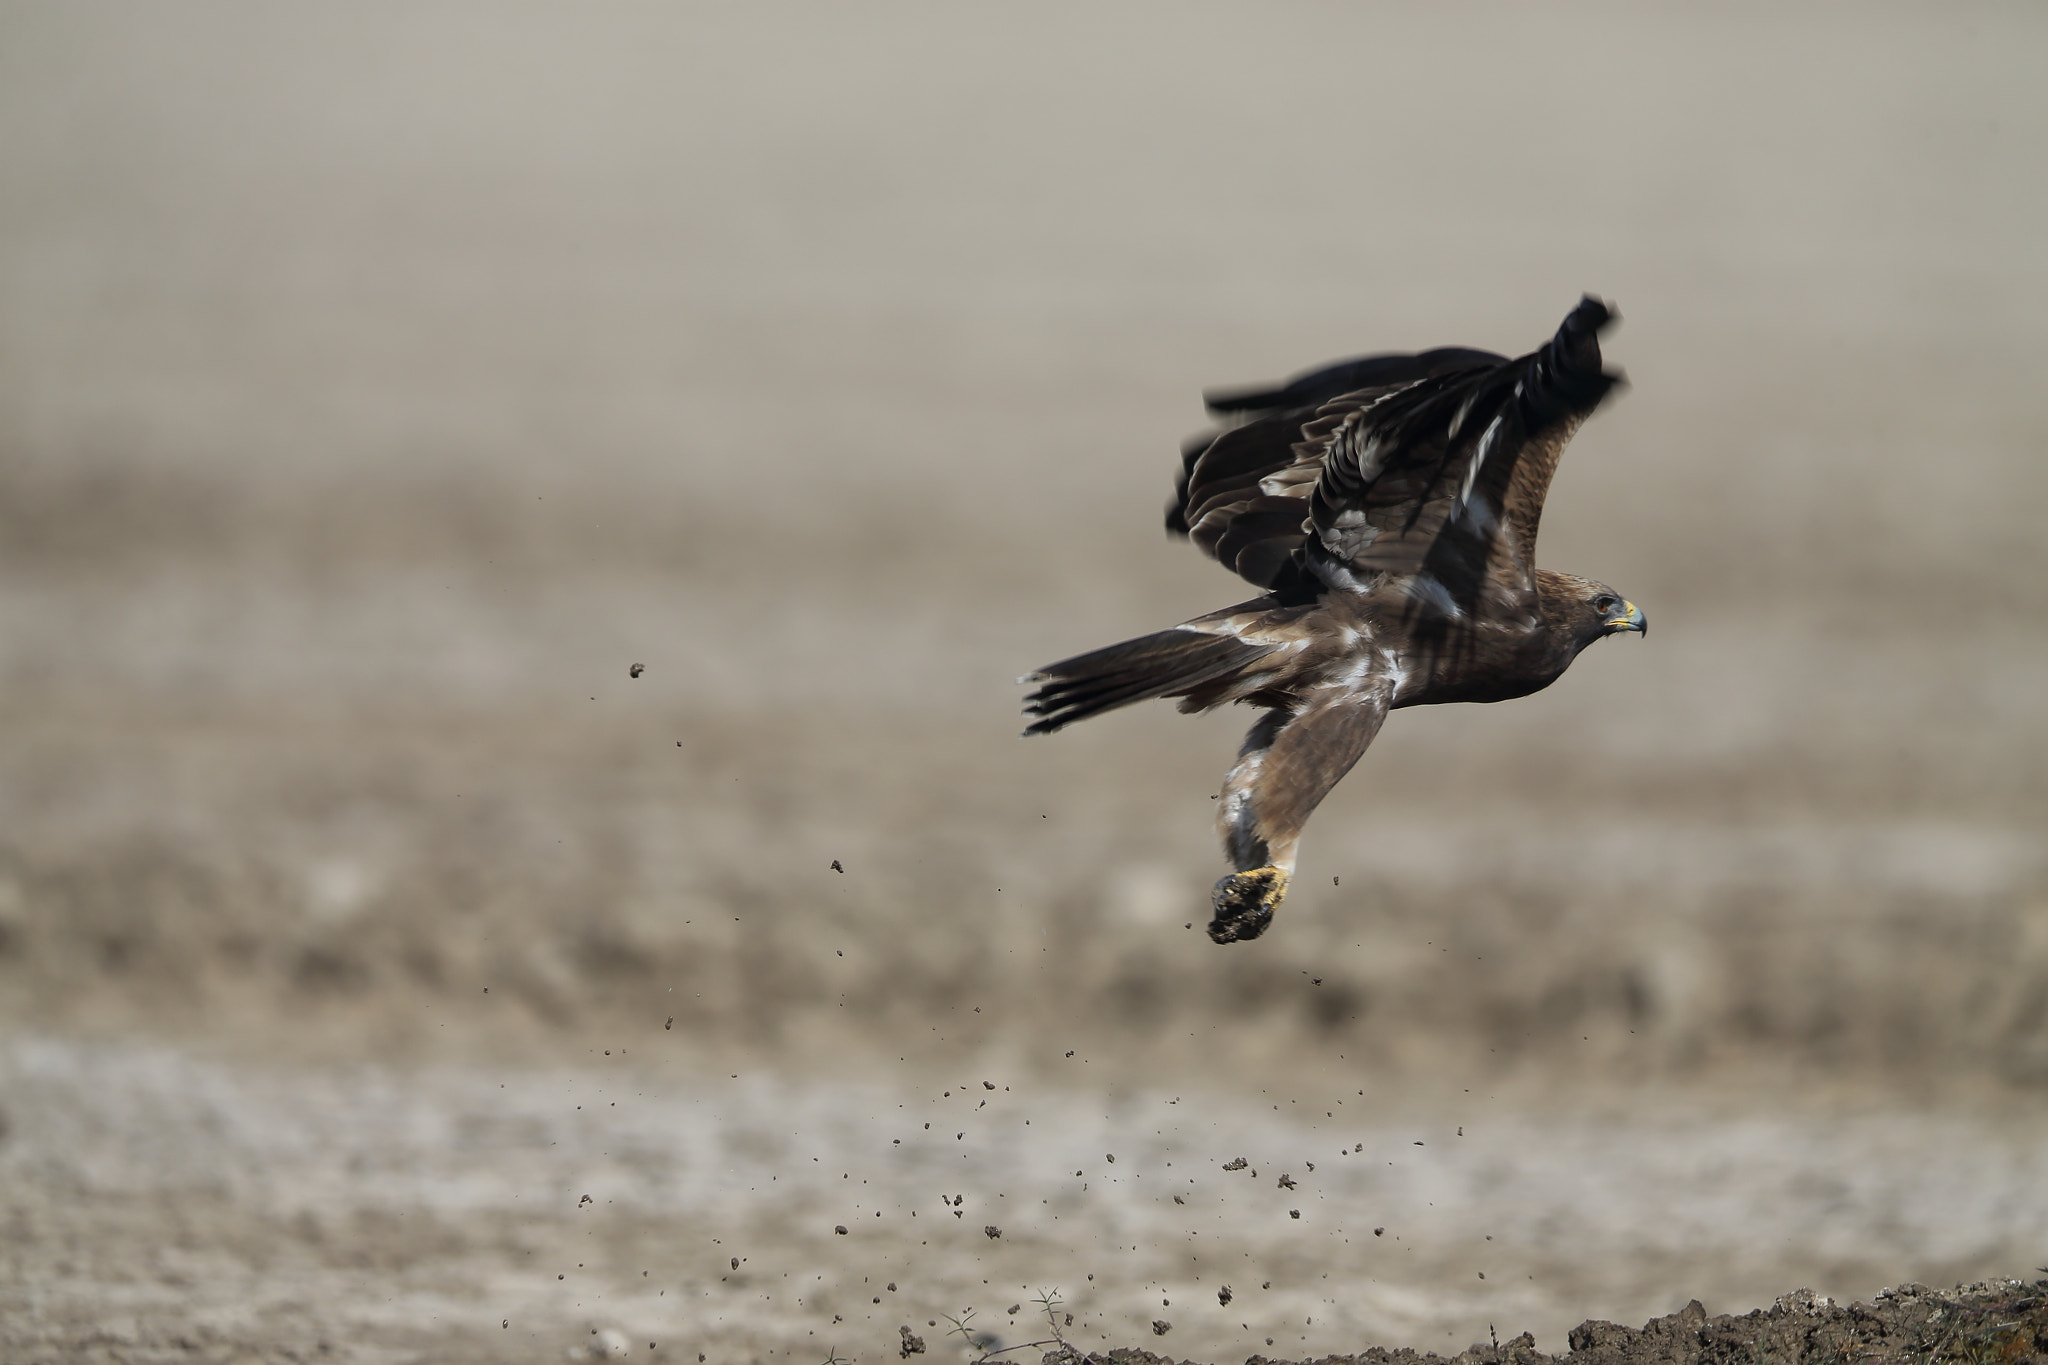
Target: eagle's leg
{"x": 1244, "y": 900}
{"x": 1288, "y": 764}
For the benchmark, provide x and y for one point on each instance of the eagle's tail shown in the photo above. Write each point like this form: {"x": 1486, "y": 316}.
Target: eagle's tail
{"x": 1170, "y": 663}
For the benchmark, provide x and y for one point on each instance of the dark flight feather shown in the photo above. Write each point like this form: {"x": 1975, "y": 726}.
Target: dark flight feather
{"x": 1316, "y": 387}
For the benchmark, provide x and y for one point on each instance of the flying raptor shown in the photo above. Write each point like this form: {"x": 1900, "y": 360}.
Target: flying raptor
{"x": 1387, "y": 506}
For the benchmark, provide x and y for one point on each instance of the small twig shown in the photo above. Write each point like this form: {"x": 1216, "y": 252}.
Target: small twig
{"x": 1022, "y": 1345}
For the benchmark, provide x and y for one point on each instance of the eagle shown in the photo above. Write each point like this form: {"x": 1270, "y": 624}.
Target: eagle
{"x": 1387, "y": 508}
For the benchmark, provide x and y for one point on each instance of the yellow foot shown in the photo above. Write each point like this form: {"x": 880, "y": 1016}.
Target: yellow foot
{"x": 1244, "y": 903}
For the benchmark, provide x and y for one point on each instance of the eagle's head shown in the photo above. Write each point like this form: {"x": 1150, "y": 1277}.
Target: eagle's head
{"x": 1585, "y": 611}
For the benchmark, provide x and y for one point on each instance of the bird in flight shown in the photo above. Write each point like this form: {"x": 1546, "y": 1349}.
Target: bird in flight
{"x": 1388, "y": 507}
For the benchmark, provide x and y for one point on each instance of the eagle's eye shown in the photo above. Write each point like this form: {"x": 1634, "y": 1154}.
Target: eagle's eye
{"x": 1605, "y": 603}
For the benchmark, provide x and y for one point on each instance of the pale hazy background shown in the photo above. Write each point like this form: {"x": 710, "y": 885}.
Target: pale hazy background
{"x": 378, "y": 383}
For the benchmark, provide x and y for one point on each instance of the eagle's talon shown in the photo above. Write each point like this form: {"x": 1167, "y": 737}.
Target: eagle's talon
{"x": 1244, "y": 904}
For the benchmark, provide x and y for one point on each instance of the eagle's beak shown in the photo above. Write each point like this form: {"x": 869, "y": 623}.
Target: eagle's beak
{"x": 1628, "y": 616}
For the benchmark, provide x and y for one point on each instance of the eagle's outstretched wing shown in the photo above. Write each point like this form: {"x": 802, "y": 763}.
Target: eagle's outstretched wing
{"x": 1242, "y": 491}
{"x": 1431, "y": 467}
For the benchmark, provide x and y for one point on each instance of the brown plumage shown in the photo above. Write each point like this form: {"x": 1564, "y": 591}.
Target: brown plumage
{"x": 1389, "y": 507}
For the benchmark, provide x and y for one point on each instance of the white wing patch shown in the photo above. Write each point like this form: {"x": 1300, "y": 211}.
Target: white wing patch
{"x": 1478, "y": 514}
{"x": 1486, "y": 440}
{"x": 1336, "y": 574}
{"x": 1464, "y": 411}
{"x": 1397, "y": 676}
{"x": 1425, "y": 588}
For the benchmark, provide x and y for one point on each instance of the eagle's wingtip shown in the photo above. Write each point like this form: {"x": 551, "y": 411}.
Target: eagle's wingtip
{"x": 1593, "y": 314}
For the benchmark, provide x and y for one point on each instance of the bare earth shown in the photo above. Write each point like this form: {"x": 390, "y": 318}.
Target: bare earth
{"x": 379, "y": 386}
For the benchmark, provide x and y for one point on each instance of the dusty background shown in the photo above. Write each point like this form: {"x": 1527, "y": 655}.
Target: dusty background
{"x": 377, "y": 384}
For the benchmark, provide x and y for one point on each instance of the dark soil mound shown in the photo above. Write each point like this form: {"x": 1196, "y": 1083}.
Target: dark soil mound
{"x": 1997, "y": 1322}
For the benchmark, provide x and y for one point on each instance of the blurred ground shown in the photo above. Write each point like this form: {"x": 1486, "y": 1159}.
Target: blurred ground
{"x": 377, "y": 385}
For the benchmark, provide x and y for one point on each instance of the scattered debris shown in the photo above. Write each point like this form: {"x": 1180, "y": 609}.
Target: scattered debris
{"x": 840, "y": 1228}
{"x": 1160, "y": 1327}
{"x": 836, "y": 867}
{"x": 1236, "y": 1165}
{"x": 1286, "y": 1182}
{"x": 636, "y": 670}
{"x": 910, "y": 1345}
{"x": 1223, "y": 1296}
{"x": 993, "y": 1231}
{"x": 1294, "y": 1213}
